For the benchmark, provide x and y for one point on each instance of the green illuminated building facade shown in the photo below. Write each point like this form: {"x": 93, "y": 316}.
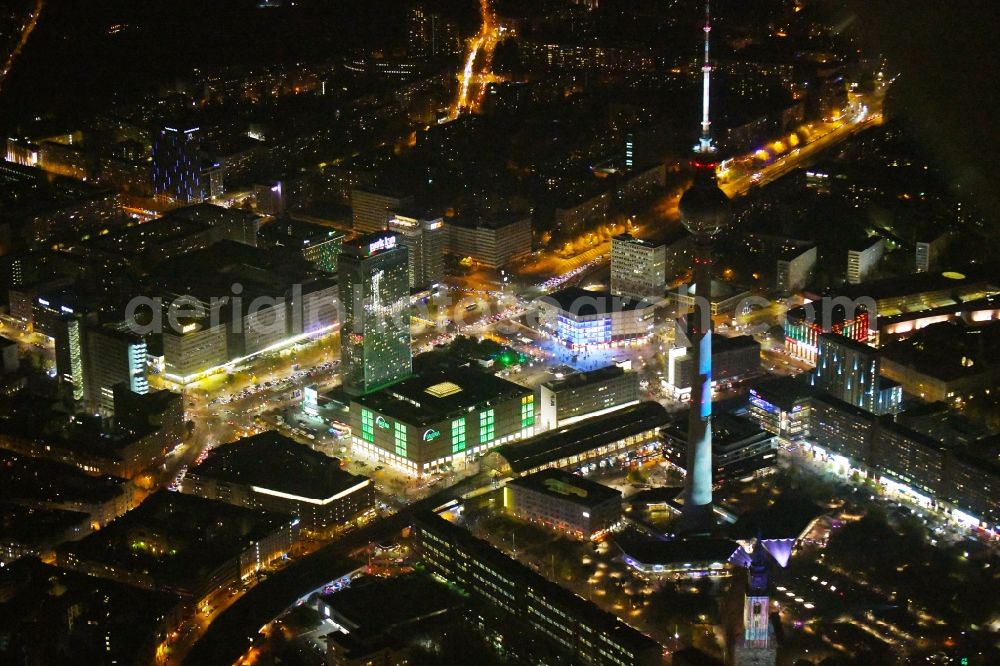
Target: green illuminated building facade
{"x": 374, "y": 286}
{"x": 440, "y": 421}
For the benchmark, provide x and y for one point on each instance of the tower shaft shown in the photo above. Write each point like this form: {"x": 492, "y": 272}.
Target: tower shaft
{"x": 698, "y": 482}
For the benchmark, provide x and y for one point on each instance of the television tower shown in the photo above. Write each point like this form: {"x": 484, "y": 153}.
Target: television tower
{"x": 704, "y": 210}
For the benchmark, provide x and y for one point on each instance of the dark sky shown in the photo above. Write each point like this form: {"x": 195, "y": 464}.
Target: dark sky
{"x": 948, "y": 56}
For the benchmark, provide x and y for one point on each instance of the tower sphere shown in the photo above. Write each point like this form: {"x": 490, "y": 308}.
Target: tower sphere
{"x": 704, "y": 208}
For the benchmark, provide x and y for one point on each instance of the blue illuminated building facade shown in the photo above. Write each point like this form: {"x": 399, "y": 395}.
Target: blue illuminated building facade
{"x": 585, "y": 333}
{"x": 582, "y": 319}
{"x": 177, "y": 164}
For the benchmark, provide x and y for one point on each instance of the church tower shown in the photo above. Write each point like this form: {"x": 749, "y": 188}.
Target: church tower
{"x": 757, "y": 647}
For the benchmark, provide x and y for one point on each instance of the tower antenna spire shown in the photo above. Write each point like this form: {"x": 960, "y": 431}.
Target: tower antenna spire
{"x": 705, "y": 142}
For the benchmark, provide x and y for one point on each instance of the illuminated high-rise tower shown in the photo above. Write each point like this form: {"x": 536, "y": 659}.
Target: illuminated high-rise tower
{"x": 704, "y": 210}
{"x": 373, "y": 272}
{"x": 177, "y": 164}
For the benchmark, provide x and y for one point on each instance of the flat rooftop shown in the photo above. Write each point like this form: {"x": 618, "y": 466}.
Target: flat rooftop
{"x": 791, "y": 252}
{"x": 679, "y": 551}
{"x": 414, "y": 597}
{"x": 135, "y": 240}
{"x": 629, "y": 238}
{"x": 32, "y": 480}
{"x": 178, "y": 540}
{"x": 211, "y": 272}
{"x": 369, "y": 245}
{"x": 40, "y": 421}
{"x": 493, "y": 222}
{"x": 432, "y": 397}
{"x": 275, "y": 462}
{"x": 577, "y": 607}
{"x": 297, "y": 233}
{"x": 844, "y": 341}
{"x": 728, "y": 431}
{"x": 784, "y": 392}
{"x": 583, "y": 436}
{"x": 949, "y": 350}
{"x": 580, "y": 379}
{"x": 114, "y": 620}
{"x": 43, "y": 528}
{"x": 568, "y": 487}
{"x": 582, "y": 303}
{"x": 722, "y": 344}
{"x": 787, "y": 518}
{"x": 916, "y": 283}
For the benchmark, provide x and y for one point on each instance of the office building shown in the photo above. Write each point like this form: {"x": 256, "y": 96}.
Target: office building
{"x": 37, "y": 429}
{"x": 431, "y": 35}
{"x": 733, "y": 359}
{"x": 138, "y": 412}
{"x": 564, "y": 502}
{"x": 113, "y": 355}
{"x": 512, "y": 591}
{"x": 374, "y": 287}
{"x": 439, "y": 420}
{"x": 144, "y": 246}
{"x": 581, "y": 208}
{"x": 851, "y": 371}
{"x": 909, "y": 457}
{"x": 585, "y": 394}
{"x": 270, "y": 472}
{"x": 842, "y": 429}
{"x": 782, "y": 406}
{"x": 972, "y": 484}
{"x": 59, "y": 317}
{"x": 796, "y": 266}
{"x": 46, "y": 484}
{"x": 28, "y": 532}
{"x": 372, "y": 208}
{"x": 637, "y": 268}
{"x": 424, "y": 238}
{"x": 177, "y": 171}
{"x": 582, "y": 319}
{"x": 232, "y": 301}
{"x": 863, "y": 258}
{"x": 194, "y": 349}
{"x": 493, "y": 241}
{"x": 930, "y": 468}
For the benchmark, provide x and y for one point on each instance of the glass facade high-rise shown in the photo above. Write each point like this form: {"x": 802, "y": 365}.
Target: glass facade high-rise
{"x": 373, "y": 273}
{"x": 113, "y": 355}
{"x": 851, "y": 371}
